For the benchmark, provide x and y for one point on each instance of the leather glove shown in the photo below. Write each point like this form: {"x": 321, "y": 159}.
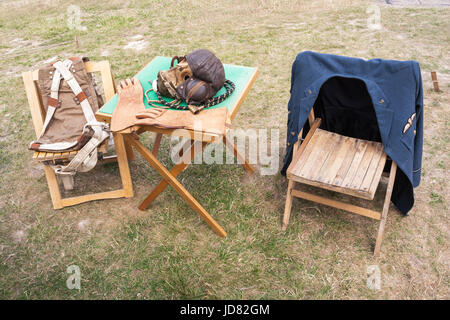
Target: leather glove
{"x": 211, "y": 121}
{"x": 131, "y": 101}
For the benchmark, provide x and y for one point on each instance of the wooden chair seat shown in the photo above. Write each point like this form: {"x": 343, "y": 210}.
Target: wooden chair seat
{"x": 64, "y": 156}
{"x": 52, "y": 156}
{"x": 339, "y": 163}
{"x": 342, "y": 164}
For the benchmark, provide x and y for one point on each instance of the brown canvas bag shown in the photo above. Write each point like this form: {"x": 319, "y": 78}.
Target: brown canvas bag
{"x": 71, "y": 99}
{"x": 64, "y": 131}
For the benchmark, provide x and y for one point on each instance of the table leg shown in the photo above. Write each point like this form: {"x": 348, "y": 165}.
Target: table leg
{"x": 247, "y": 166}
{"x": 175, "y": 171}
{"x": 129, "y": 151}
{"x": 157, "y": 144}
{"x": 178, "y": 187}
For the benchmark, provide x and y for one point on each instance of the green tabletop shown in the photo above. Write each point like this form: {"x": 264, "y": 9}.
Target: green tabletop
{"x": 238, "y": 74}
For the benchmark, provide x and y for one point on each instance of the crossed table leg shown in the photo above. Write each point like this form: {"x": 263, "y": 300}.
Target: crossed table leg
{"x": 169, "y": 177}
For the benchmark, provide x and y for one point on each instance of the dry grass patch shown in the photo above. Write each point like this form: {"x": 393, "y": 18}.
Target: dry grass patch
{"x": 168, "y": 252}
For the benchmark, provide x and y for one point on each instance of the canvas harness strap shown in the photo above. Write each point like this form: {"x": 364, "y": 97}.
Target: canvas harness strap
{"x": 86, "y": 158}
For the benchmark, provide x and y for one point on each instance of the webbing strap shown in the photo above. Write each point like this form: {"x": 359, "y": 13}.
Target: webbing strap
{"x": 73, "y": 84}
{"x": 86, "y": 158}
{"x": 53, "y": 95}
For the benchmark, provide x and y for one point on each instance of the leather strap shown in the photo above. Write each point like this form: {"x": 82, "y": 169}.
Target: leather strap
{"x": 52, "y": 102}
{"x": 35, "y": 146}
{"x": 80, "y": 97}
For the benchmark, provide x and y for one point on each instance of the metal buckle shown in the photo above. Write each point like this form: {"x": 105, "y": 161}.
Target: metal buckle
{"x": 195, "y": 109}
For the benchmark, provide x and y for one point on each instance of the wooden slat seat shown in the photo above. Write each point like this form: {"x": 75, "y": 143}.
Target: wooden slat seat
{"x": 339, "y": 163}
{"x": 69, "y": 155}
{"x": 51, "y": 156}
{"x": 342, "y": 164}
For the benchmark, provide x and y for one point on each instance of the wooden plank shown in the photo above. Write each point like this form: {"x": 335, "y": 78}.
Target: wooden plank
{"x": 375, "y": 182}
{"x": 335, "y": 160}
{"x": 57, "y": 155}
{"x": 302, "y": 147}
{"x": 91, "y": 197}
{"x": 41, "y": 156}
{"x": 435, "y": 81}
{"x": 175, "y": 171}
{"x": 305, "y": 154}
{"x": 178, "y": 187}
{"x": 122, "y": 161}
{"x": 47, "y": 156}
{"x": 337, "y": 204}
{"x": 157, "y": 144}
{"x": 311, "y": 117}
{"x": 315, "y": 156}
{"x": 340, "y": 189}
{"x": 288, "y": 205}
{"x": 328, "y": 147}
{"x": 53, "y": 187}
{"x": 65, "y": 155}
{"x": 384, "y": 213}
{"x": 357, "y": 158}
{"x": 372, "y": 170}
{"x": 243, "y": 94}
{"x": 35, "y": 75}
{"x": 103, "y": 117}
{"x": 347, "y": 162}
{"x": 35, "y": 154}
{"x": 298, "y": 143}
{"x": 107, "y": 80}
{"x": 34, "y": 102}
{"x": 363, "y": 166}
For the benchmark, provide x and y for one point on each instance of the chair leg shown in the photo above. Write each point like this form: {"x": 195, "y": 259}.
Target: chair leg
{"x": 122, "y": 160}
{"x": 288, "y": 205}
{"x": 53, "y": 187}
{"x": 387, "y": 201}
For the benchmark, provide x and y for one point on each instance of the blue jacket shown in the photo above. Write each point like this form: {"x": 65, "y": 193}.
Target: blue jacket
{"x": 394, "y": 93}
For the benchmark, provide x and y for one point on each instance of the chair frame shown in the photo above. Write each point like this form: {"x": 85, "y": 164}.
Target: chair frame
{"x": 123, "y": 150}
{"x": 292, "y": 192}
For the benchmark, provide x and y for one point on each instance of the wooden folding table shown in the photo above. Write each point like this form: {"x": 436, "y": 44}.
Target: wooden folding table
{"x": 243, "y": 78}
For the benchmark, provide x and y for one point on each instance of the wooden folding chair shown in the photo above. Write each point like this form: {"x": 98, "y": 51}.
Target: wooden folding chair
{"x": 34, "y": 96}
{"x": 342, "y": 164}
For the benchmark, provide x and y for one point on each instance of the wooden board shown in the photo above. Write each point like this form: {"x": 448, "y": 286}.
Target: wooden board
{"x": 342, "y": 164}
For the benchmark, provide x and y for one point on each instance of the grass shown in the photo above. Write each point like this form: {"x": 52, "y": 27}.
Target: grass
{"x": 168, "y": 252}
